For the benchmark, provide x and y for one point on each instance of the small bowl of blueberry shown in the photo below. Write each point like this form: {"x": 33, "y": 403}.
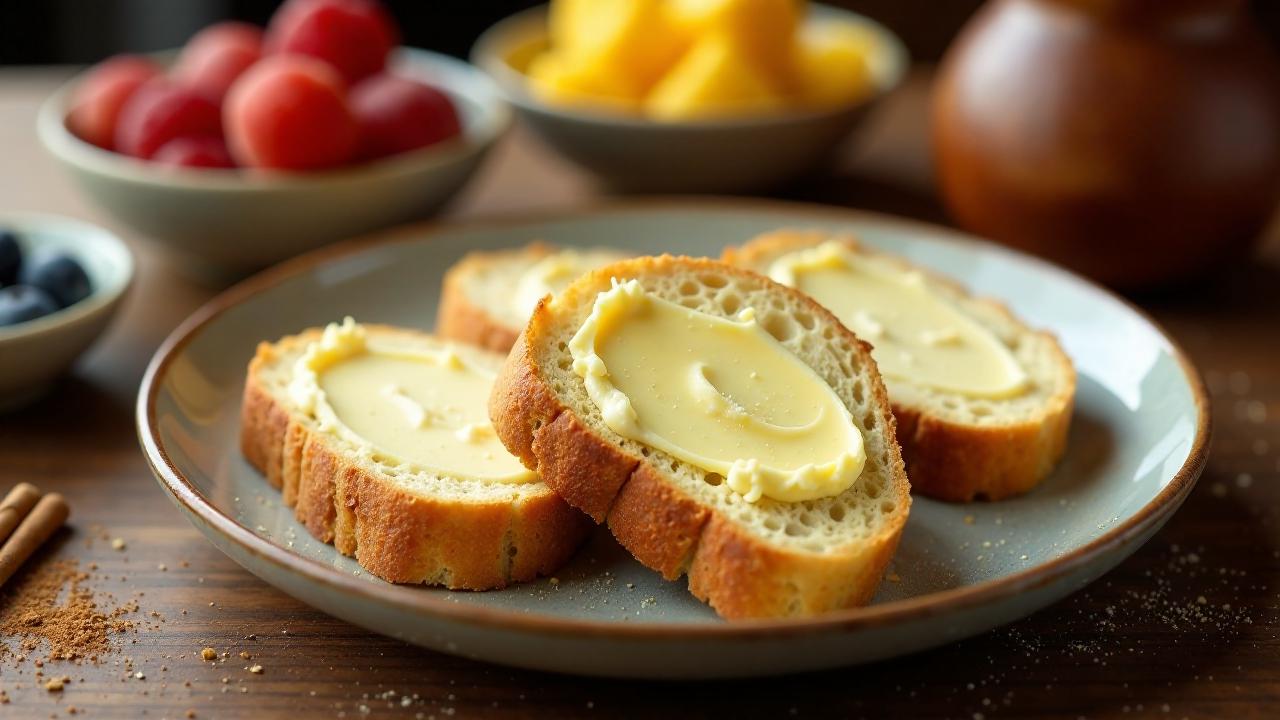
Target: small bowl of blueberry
{"x": 60, "y": 282}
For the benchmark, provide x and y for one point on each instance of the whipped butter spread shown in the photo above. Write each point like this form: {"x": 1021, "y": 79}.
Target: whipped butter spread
{"x": 554, "y": 272}
{"x": 422, "y": 408}
{"x": 720, "y": 394}
{"x": 916, "y": 335}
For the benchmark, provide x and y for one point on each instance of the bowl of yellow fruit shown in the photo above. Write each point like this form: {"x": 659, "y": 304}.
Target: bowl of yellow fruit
{"x": 692, "y": 95}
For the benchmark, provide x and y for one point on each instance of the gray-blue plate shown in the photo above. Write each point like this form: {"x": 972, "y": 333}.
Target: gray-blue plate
{"x": 1138, "y": 443}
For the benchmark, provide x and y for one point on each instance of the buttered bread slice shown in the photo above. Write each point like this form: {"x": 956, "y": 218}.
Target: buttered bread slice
{"x": 724, "y": 426}
{"x": 983, "y": 402}
{"x": 379, "y": 438}
{"x": 488, "y": 296}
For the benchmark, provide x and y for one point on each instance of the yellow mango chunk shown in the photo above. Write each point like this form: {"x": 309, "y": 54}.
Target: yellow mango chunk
{"x": 713, "y": 79}
{"x": 831, "y": 63}
{"x": 626, "y": 43}
{"x": 557, "y": 80}
{"x": 763, "y": 31}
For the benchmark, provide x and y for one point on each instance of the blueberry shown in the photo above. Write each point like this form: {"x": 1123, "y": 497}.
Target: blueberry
{"x": 10, "y": 257}
{"x": 59, "y": 275}
{"x": 20, "y": 303}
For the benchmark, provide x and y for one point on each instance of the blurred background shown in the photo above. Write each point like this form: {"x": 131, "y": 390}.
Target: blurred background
{"x": 82, "y": 31}
{"x": 1134, "y": 141}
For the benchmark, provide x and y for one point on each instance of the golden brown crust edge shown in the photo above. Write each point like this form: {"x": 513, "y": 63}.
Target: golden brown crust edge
{"x": 961, "y": 463}
{"x": 947, "y": 460}
{"x": 458, "y": 319}
{"x": 738, "y": 575}
{"x": 400, "y": 536}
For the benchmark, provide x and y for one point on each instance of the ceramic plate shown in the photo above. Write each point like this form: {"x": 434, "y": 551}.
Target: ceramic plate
{"x": 1137, "y": 445}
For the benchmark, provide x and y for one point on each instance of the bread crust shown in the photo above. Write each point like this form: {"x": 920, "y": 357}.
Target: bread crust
{"x": 461, "y": 320}
{"x": 457, "y": 318}
{"x": 398, "y": 535}
{"x": 739, "y": 575}
{"x": 949, "y": 460}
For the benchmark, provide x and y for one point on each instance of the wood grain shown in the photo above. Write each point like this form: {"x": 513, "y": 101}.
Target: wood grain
{"x": 1138, "y": 643}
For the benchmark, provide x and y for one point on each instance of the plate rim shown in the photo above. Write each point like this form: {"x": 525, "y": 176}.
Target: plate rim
{"x": 410, "y": 598}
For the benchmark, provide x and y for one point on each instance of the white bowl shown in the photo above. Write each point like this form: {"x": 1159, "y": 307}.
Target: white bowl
{"x": 34, "y": 353}
{"x": 717, "y": 155}
{"x": 236, "y": 221}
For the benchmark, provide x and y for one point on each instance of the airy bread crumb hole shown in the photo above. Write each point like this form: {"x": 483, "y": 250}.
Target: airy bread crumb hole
{"x": 713, "y": 281}
{"x": 795, "y": 529}
{"x": 731, "y": 304}
{"x": 779, "y": 326}
{"x": 689, "y": 287}
{"x": 713, "y": 479}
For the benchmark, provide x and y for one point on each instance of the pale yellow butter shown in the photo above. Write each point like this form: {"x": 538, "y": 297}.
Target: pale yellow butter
{"x": 722, "y": 395}
{"x": 424, "y": 409}
{"x": 917, "y": 335}
{"x": 553, "y": 273}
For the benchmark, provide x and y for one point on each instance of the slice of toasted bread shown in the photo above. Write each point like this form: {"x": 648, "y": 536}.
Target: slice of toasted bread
{"x": 959, "y": 448}
{"x": 481, "y": 301}
{"x": 763, "y": 559}
{"x": 404, "y": 524}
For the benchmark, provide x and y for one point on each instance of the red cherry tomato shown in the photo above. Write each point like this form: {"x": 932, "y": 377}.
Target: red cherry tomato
{"x": 96, "y": 103}
{"x": 397, "y": 115}
{"x": 203, "y": 152}
{"x": 160, "y": 111}
{"x": 216, "y": 56}
{"x": 290, "y": 112}
{"x": 354, "y": 36}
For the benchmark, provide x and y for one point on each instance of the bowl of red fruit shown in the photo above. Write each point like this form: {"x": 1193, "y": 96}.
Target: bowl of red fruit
{"x": 251, "y": 145}
{"x": 61, "y": 280}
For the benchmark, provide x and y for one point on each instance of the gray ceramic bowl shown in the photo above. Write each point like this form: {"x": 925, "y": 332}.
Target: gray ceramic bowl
{"x": 635, "y": 154}
{"x": 33, "y": 354}
{"x": 236, "y": 221}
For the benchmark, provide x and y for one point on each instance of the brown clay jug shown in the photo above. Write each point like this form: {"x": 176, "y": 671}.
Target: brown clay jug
{"x": 1136, "y": 141}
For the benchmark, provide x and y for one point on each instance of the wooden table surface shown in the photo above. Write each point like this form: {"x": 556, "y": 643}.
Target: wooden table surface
{"x": 1186, "y": 628}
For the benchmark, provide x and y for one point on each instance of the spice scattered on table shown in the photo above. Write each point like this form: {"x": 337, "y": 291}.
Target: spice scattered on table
{"x": 75, "y": 629}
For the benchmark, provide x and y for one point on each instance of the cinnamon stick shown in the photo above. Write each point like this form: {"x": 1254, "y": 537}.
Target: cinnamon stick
{"x": 15, "y": 506}
{"x": 37, "y": 527}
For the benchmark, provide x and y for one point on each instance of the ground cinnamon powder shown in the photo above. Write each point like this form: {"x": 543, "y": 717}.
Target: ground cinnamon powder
{"x": 50, "y": 605}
